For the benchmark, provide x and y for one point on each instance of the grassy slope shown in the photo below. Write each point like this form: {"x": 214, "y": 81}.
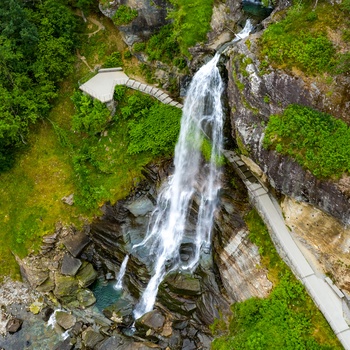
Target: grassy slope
{"x": 31, "y": 192}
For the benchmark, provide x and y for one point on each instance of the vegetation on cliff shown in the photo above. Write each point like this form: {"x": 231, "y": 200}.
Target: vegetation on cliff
{"x": 287, "y": 319}
{"x": 316, "y": 140}
{"x": 124, "y": 15}
{"x": 314, "y": 40}
{"x": 191, "y": 21}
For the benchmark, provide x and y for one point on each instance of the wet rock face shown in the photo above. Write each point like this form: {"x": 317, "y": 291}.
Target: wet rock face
{"x": 253, "y": 96}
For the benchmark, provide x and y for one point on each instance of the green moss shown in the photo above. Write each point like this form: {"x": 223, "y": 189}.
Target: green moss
{"x": 316, "y": 140}
{"x": 242, "y": 148}
{"x": 238, "y": 83}
{"x": 266, "y": 99}
{"x": 247, "y": 105}
{"x": 138, "y": 47}
{"x": 248, "y": 43}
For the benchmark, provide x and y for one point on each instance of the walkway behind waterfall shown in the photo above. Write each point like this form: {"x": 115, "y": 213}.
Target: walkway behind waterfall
{"x": 102, "y": 85}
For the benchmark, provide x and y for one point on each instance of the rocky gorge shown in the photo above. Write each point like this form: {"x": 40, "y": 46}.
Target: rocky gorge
{"x": 64, "y": 276}
{"x": 71, "y": 261}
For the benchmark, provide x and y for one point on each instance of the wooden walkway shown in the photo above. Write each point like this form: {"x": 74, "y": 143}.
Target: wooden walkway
{"x": 328, "y": 297}
{"x": 102, "y": 85}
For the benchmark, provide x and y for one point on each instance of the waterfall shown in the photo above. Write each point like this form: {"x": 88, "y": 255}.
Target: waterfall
{"x": 196, "y": 180}
{"x": 119, "y": 284}
{"x": 202, "y": 122}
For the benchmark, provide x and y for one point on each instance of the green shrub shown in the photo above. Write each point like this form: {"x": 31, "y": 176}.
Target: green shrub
{"x": 345, "y": 5}
{"x": 138, "y": 47}
{"x": 113, "y": 60}
{"x": 156, "y": 131}
{"x": 300, "y": 40}
{"x": 315, "y": 140}
{"x": 312, "y": 53}
{"x": 191, "y": 22}
{"x": 127, "y": 54}
{"x": 163, "y": 45}
{"x": 124, "y": 15}
{"x": 312, "y": 16}
{"x": 180, "y": 62}
{"x": 119, "y": 92}
{"x": 91, "y": 116}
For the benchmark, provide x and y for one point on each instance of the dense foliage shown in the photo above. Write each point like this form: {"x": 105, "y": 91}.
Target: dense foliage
{"x": 164, "y": 46}
{"x": 124, "y": 15}
{"x": 316, "y": 140}
{"x": 286, "y": 320}
{"x": 37, "y": 43}
{"x": 301, "y": 40}
{"x": 141, "y": 129}
{"x": 157, "y": 132}
{"x": 152, "y": 126}
{"x": 91, "y": 115}
{"x": 191, "y": 21}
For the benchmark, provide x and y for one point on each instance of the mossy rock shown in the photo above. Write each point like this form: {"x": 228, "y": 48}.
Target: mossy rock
{"x": 65, "y": 320}
{"x": 184, "y": 285}
{"x": 66, "y": 287}
{"x": 36, "y": 307}
{"x": 86, "y": 298}
{"x": 86, "y": 275}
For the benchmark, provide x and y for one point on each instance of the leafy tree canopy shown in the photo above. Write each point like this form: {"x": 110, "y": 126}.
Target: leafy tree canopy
{"x": 37, "y": 43}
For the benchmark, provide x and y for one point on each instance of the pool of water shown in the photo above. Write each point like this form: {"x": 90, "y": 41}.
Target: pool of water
{"x": 105, "y": 293}
{"x": 256, "y": 10}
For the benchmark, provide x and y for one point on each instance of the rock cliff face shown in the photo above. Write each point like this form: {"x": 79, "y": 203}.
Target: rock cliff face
{"x": 151, "y": 16}
{"x": 326, "y": 242}
{"x": 253, "y": 95}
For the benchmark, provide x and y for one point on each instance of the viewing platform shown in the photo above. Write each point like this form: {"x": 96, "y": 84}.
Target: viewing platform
{"x": 101, "y": 86}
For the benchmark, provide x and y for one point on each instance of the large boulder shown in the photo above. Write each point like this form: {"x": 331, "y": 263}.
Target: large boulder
{"x": 65, "y": 320}
{"x": 153, "y": 320}
{"x": 91, "y": 338}
{"x": 86, "y": 275}
{"x": 70, "y": 265}
{"x": 75, "y": 243}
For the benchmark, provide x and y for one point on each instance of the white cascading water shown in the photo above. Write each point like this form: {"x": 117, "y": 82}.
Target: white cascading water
{"x": 119, "y": 284}
{"x": 202, "y": 121}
